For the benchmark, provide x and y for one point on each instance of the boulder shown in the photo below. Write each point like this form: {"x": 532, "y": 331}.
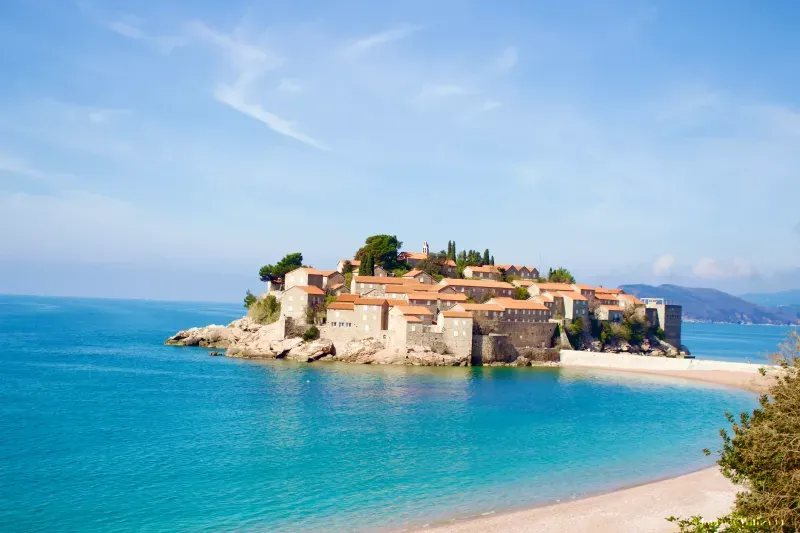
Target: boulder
{"x": 362, "y": 351}
{"x": 310, "y": 351}
{"x": 208, "y": 337}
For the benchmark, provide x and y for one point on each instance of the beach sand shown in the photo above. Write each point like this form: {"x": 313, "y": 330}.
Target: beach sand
{"x": 641, "y": 509}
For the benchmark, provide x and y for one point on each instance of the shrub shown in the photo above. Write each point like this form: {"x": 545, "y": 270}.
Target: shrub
{"x": 521, "y": 293}
{"x": 249, "y": 299}
{"x": 576, "y": 328}
{"x": 659, "y": 334}
{"x": 762, "y": 454}
{"x": 265, "y": 311}
{"x": 311, "y": 334}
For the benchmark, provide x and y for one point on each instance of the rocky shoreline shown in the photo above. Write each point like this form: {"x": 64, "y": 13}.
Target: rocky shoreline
{"x": 245, "y": 338}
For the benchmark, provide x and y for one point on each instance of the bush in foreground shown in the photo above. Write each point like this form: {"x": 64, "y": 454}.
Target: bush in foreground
{"x": 265, "y": 311}
{"x": 762, "y": 455}
{"x": 311, "y": 334}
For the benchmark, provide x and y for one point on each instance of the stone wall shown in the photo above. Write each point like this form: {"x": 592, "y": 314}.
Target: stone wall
{"x": 496, "y": 348}
{"x": 522, "y": 334}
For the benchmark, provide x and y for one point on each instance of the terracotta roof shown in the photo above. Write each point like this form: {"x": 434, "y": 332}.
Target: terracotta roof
{"x": 370, "y": 301}
{"x": 433, "y": 296}
{"x": 412, "y": 273}
{"x": 447, "y": 297}
{"x": 475, "y": 283}
{"x": 414, "y": 255}
{"x": 518, "y": 267}
{"x": 348, "y": 297}
{"x": 611, "y": 307}
{"x": 345, "y": 306}
{"x": 405, "y": 288}
{"x": 605, "y": 296}
{"x": 480, "y": 307}
{"x": 428, "y": 287}
{"x": 336, "y": 286}
{"x": 510, "y": 303}
{"x": 583, "y": 287}
{"x": 354, "y": 262}
{"x": 490, "y": 269}
{"x": 310, "y": 289}
{"x": 394, "y": 302}
{"x": 412, "y": 318}
{"x": 630, "y": 298}
{"x": 522, "y": 282}
{"x": 380, "y": 280}
{"x": 414, "y": 310}
{"x": 546, "y": 296}
{"x": 456, "y": 314}
{"x": 311, "y": 270}
{"x": 574, "y": 295}
{"x": 546, "y": 286}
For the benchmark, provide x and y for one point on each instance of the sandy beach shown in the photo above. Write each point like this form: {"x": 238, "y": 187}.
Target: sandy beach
{"x": 643, "y": 508}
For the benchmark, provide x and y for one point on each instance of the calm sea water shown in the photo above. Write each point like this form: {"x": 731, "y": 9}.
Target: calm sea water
{"x": 733, "y": 342}
{"x": 104, "y": 429}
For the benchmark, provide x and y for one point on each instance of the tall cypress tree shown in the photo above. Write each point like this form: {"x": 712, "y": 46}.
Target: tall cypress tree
{"x": 370, "y": 265}
{"x": 453, "y": 255}
{"x": 491, "y": 260}
{"x": 486, "y": 256}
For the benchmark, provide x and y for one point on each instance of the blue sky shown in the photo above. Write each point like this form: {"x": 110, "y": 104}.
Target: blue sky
{"x": 168, "y": 149}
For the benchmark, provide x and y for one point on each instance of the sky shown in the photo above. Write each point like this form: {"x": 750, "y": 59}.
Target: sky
{"x": 169, "y": 149}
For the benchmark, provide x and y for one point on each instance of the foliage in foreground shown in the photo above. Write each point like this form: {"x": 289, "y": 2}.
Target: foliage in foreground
{"x": 278, "y": 270}
{"x": 265, "y": 311}
{"x": 762, "y": 455}
{"x": 311, "y": 334}
{"x": 249, "y": 299}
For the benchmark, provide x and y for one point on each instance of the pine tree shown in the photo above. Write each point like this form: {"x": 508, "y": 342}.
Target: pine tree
{"x": 486, "y": 257}
{"x": 370, "y": 265}
{"x": 491, "y": 260}
{"x": 453, "y": 253}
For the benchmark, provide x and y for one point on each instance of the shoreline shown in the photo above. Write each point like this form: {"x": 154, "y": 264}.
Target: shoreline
{"x": 642, "y": 507}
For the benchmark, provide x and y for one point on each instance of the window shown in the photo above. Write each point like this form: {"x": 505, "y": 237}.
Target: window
{"x": 291, "y": 308}
{"x": 366, "y": 328}
{"x": 362, "y": 285}
{"x": 364, "y": 318}
{"x": 429, "y": 302}
{"x": 291, "y": 298}
{"x": 337, "y": 314}
{"x": 455, "y": 334}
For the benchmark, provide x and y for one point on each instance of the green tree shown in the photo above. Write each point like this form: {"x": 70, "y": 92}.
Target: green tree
{"x": 560, "y": 275}
{"x": 311, "y": 334}
{"x": 249, "y": 299}
{"x": 491, "y": 260}
{"x": 266, "y": 310}
{"x": 367, "y": 266}
{"x": 521, "y": 293}
{"x": 347, "y": 267}
{"x": 434, "y": 264}
{"x": 486, "y": 258}
{"x": 287, "y": 264}
{"x": 453, "y": 252}
{"x": 383, "y": 249}
{"x": 762, "y": 454}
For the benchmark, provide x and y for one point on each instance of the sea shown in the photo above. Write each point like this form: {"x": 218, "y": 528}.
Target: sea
{"x": 103, "y": 428}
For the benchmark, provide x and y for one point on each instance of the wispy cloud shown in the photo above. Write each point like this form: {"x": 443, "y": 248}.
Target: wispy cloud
{"x": 708, "y": 268}
{"x": 18, "y": 166}
{"x": 444, "y": 91}
{"x": 130, "y": 26}
{"x": 489, "y": 105}
{"x": 507, "y": 60}
{"x": 384, "y": 37}
{"x": 249, "y": 63}
{"x": 289, "y": 85}
{"x": 663, "y": 265}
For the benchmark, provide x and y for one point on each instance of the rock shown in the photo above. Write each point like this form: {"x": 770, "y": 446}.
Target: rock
{"x": 363, "y": 351}
{"x": 311, "y": 351}
{"x": 208, "y": 337}
{"x": 522, "y": 361}
{"x": 215, "y": 354}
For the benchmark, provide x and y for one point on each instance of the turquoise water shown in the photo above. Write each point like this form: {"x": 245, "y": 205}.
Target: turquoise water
{"x": 733, "y": 342}
{"x": 104, "y": 429}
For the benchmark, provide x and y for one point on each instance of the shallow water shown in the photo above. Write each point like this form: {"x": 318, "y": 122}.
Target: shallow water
{"x": 733, "y": 342}
{"x": 104, "y": 429}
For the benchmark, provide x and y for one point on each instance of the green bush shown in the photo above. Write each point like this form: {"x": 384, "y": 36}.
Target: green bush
{"x": 249, "y": 299}
{"x": 521, "y": 293}
{"x": 659, "y": 334}
{"x": 265, "y": 311}
{"x": 762, "y": 454}
{"x": 311, "y": 334}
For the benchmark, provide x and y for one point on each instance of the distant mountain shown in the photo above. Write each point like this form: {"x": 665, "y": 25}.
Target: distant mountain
{"x": 715, "y": 306}
{"x": 775, "y": 299}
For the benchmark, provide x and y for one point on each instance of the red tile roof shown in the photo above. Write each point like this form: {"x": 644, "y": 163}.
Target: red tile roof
{"x": 456, "y": 314}
{"x": 345, "y": 306}
{"x": 370, "y": 301}
{"x": 489, "y": 269}
{"x": 574, "y": 295}
{"x": 412, "y": 273}
{"x": 380, "y": 280}
{"x": 489, "y": 284}
{"x": 546, "y": 286}
{"x": 310, "y": 289}
{"x": 412, "y": 318}
{"x": 414, "y": 310}
{"x": 348, "y": 297}
{"x": 612, "y": 308}
{"x": 480, "y": 307}
{"x": 510, "y": 303}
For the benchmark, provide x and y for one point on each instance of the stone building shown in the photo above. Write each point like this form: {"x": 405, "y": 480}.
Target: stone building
{"x": 370, "y": 315}
{"x": 520, "y": 271}
{"x": 340, "y": 314}
{"x": 605, "y": 298}
{"x": 304, "y": 276}
{"x": 586, "y": 290}
{"x": 479, "y": 290}
{"x": 608, "y": 313}
{"x": 669, "y": 318}
{"x": 537, "y": 288}
{"x": 482, "y": 272}
{"x": 374, "y": 286}
{"x": 420, "y": 277}
{"x": 296, "y": 300}
{"x": 354, "y": 262}
{"x": 521, "y": 310}
{"x": 576, "y": 305}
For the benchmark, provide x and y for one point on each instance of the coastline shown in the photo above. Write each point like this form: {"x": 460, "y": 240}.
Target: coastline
{"x": 641, "y": 508}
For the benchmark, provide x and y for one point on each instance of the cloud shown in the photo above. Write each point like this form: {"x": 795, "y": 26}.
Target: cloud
{"x": 384, "y": 37}
{"x": 663, "y": 265}
{"x": 507, "y": 60}
{"x": 249, "y": 64}
{"x": 444, "y": 91}
{"x": 129, "y": 27}
{"x": 490, "y": 104}
{"x": 289, "y": 85}
{"x": 17, "y": 166}
{"x": 708, "y": 268}
{"x": 232, "y": 97}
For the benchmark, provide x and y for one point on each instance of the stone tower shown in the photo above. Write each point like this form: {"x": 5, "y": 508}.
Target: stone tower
{"x": 425, "y": 249}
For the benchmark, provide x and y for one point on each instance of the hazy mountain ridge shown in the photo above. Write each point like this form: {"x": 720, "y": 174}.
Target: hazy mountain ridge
{"x": 713, "y": 305}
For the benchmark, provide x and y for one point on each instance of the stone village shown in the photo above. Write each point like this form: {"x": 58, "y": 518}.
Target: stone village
{"x": 478, "y": 318}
